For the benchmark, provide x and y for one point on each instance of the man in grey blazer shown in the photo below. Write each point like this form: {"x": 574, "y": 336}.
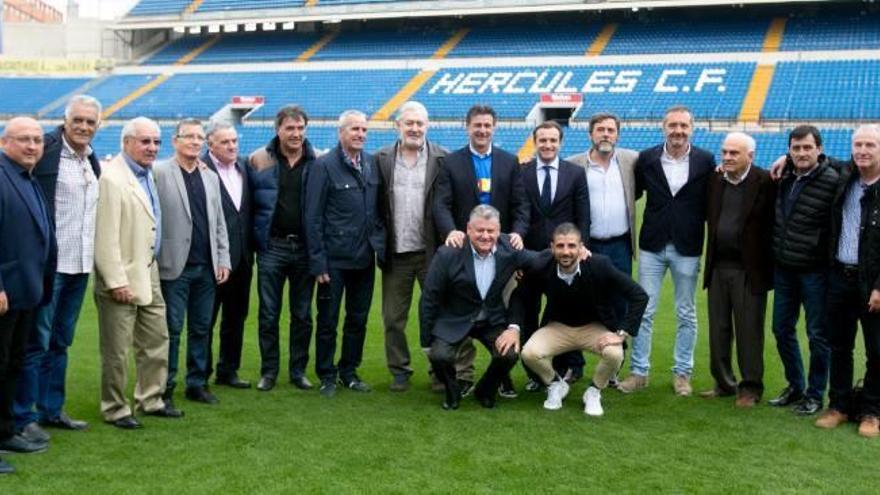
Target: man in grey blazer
{"x": 611, "y": 181}
{"x": 194, "y": 256}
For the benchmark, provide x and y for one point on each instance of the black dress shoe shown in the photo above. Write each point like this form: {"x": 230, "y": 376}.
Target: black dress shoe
{"x": 266, "y": 383}
{"x": 127, "y": 423}
{"x": 787, "y": 397}
{"x": 485, "y": 400}
{"x": 807, "y": 407}
{"x": 232, "y": 381}
{"x": 65, "y": 422}
{"x": 201, "y": 394}
{"x": 450, "y": 405}
{"x": 21, "y": 445}
{"x": 169, "y": 411}
{"x": 301, "y": 382}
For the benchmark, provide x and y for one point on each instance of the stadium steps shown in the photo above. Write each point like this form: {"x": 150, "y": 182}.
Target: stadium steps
{"x": 602, "y": 39}
{"x": 194, "y": 6}
{"x": 415, "y": 84}
{"x": 527, "y": 150}
{"x": 759, "y": 87}
{"x": 63, "y": 99}
{"x": 321, "y": 43}
{"x": 154, "y": 83}
{"x": 773, "y": 39}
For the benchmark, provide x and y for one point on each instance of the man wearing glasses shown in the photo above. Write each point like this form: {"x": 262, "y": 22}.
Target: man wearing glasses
{"x": 131, "y": 310}
{"x": 194, "y": 257}
{"x": 68, "y": 176}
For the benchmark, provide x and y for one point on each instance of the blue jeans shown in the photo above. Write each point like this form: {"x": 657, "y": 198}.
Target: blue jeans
{"x": 357, "y": 287}
{"x": 284, "y": 260}
{"x": 41, "y": 382}
{"x": 190, "y": 295}
{"x": 791, "y": 289}
{"x": 685, "y": 270}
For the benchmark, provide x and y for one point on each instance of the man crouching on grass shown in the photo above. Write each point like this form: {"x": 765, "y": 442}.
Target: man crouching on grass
{"x": 581, "y": 297}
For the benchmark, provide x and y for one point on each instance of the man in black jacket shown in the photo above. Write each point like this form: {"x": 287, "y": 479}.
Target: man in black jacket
{"x": 463, "y": 297}
{"x": 800, "y": 247}
{"x": 674, "y": 177}
{"x": 854, "y": 285}
{"x": 68, "y": 176}
{"x": 234, "y": 296}
{"x": 580, "y": 315}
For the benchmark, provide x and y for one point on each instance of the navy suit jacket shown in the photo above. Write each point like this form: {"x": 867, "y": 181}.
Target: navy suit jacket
{"x": 570, "y": 204}
{"x": 450, "y": 299}
{"x": 680, "y": 219}
{"x": 46, "y": 171}
{"x": 239, "y": 222}
{"x": 457, "y": 194}
{"x": 342, "y": 222}
{"x": 25, "y": 275}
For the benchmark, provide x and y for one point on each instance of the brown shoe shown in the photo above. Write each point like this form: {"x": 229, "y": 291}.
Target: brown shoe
{"x": 831, "y": 418}
{"x": 746, "y": 401}
{"x": 870, "y": 427}
{"x": 714, "y": 393}
{"x": 632, "y": 383}
{"x": 682, "y": 385}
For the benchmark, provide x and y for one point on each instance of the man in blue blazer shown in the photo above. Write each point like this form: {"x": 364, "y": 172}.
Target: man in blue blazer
{"x": 345, "y": 236}
{"x": 675, "y": 176}
{"x": 27, "y": 252}
{"x": 557, "y": 193}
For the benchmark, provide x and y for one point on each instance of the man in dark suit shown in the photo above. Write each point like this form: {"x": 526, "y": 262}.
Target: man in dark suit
{"x": 234, "y": 296}
{"x": 557, "y": 193}
{"x": 27, "y": 249}
{"x": 345, "y": 235}
{"x": 68, "y": 176}
{"x": 463, "y": 297}
{"x": 479, "y": 173}
{"x": 674, "y": 176}
{"x": 580, "y": 315}
{"x": 739, "y": 270}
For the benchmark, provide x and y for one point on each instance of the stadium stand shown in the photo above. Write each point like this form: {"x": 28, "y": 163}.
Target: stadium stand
{"x": 238, "y": 48}
{"x": 688, "y": 36}
{"x": 371, "y": 44}
{"x": 159, "y": 7}
{"x": 29, "y": 94}
{"x": 220, "y": 5}
{"x": 842, "y": 90}
{"x": 527, "y": 40}
{"x": 832, "y": 32}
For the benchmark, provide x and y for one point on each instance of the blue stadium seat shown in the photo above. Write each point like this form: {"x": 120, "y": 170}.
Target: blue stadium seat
{"x": 221, "y": 5}
{"x": 832, "y": 32}
{"x": 159, "y": 7}
{"x": 848, "y": 89}
{"x": 686, "y": 36}
{"x": 527, "y": 40}
{"x": 280, "y": 46}
{"x": 26, "y": 95}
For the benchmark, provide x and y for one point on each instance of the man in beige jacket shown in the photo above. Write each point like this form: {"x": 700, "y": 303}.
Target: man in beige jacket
{"x": 127, "y": 295}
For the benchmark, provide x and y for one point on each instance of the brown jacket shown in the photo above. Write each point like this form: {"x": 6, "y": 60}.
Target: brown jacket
{"x": 757, "y": 235}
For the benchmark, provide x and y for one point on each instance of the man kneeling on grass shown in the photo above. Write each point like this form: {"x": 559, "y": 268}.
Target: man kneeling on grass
{"x": 581, "y": 297}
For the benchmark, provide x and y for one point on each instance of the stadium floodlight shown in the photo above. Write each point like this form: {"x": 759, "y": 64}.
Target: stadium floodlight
{"x": 287, "y": 26}
{"x": 268, "y": 26}
{"x": 250, "y": 27}
{"x": 230, "y": 28}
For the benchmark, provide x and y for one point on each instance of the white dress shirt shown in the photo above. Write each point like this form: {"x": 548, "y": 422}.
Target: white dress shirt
{"x": 676, "y": 169}
{"x": 608, "y": 211}
{"x": 554, "y": 176}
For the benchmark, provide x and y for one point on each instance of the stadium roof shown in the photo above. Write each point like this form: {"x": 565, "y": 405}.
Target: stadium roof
{"x": 408, "y": 9}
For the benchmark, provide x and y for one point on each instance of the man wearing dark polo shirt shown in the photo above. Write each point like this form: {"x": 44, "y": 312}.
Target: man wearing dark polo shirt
{"x": 278, "y": 173}
{"x": 194, "y": 255}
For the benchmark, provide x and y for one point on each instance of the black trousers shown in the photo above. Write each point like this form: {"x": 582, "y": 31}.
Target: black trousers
{"x": 233, "y": 299}
{"x": 15, "y": 326}
{"x": 442, "y": 356}
{"x": 847, "y": 307}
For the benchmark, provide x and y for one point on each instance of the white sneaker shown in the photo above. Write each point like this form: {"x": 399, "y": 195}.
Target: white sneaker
{"x": 593, "y": 402}
{"x": 556, "y": 391}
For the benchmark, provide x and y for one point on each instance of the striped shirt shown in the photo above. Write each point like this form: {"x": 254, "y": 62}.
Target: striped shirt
{"x": 848, "y": 246}
{"x": 76, "y": 196}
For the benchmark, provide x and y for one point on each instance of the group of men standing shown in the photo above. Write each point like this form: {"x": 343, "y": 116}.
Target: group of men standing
{"x": 175, "y": 241}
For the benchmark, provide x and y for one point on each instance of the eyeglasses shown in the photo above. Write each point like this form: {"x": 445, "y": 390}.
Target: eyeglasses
{"x": 191, "y": 137}
{"x": 38, "y": 140}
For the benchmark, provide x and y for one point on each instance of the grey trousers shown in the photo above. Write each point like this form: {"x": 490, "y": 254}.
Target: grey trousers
{"x": 735, "y": 313}
{"x": 398, "y": 283}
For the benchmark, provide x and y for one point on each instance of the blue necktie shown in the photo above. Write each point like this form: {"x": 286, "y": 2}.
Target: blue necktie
{"x": 546, "y": 193}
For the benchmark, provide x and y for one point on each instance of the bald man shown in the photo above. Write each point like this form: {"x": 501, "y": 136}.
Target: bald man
{"x": 739, "y": 270}
{"x": 27, "y": 252}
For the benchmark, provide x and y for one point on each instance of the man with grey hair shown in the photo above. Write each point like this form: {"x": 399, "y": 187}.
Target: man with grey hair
{"x": 407, "y": 171}
{"x": 234, "y": 296}
{"x": 345, "y": 236}
{"x": 194, "y": 258}
{"x": 463, "y": 296}
{"x": 738, "y": 271}
{"x": 130, "y": 306}
{"x": 68, "y": 176}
